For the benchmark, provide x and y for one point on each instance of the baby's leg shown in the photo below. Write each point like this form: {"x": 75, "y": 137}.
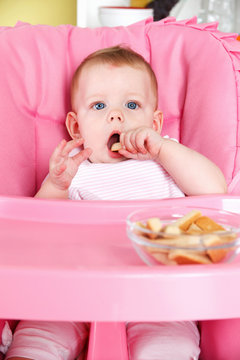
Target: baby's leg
{"x": 44, "y": 340}
{"x": 163, "y": 341}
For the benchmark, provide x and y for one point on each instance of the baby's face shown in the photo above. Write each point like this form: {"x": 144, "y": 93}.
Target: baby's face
{"x": 111, "y": 100}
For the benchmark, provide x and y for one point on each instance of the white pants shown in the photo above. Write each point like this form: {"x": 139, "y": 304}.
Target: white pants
{"x": 163, "y": 341}
{"x": 46, "y": 340}
{"x": 42, "y": 340}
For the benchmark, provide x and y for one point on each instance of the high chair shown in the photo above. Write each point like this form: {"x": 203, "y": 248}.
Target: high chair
{"x": 72, "y": 261}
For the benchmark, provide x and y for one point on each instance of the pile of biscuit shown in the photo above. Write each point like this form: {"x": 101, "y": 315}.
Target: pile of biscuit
{"x": 185, "y": 232}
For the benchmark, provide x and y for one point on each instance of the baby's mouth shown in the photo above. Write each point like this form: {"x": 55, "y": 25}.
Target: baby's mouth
{"x": 113, "y": 139}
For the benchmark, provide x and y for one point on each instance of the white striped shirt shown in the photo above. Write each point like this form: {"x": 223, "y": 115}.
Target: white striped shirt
{"x": 125, "y": 180}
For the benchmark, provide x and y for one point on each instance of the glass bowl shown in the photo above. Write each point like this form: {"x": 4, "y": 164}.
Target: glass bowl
{"x": 179, "y": 243}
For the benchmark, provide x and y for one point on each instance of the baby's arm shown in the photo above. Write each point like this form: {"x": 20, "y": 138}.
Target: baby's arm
{"x": 62, "y": 169}
{"x": 193, "y": 173}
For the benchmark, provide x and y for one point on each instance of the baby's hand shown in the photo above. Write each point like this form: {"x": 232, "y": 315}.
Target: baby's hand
{"x": 63, "y": 168}
{"x": 142, "y": 143}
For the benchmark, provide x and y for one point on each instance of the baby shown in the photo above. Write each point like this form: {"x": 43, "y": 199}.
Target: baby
{"x": 114, "y": 100}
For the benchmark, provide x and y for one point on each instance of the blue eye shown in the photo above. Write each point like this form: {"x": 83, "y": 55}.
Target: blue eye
{"x": 132, "y": 105}
{"x": 99, "y": 106}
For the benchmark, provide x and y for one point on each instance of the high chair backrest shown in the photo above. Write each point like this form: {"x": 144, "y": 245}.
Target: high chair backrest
{"x": 197, "y": 68}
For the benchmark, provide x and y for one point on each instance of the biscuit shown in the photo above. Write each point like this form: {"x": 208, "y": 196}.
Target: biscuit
{"x": 180, "y": 241}
{"x": 216, "y": 255}
{"x": 183, "y": 257}
{"x": 208, "y": 225}
{"x": 116, "y": 146}
{"x": 184, "y": 222}
{"x": 194, "y": 230}
{"x": 154, "y": 224}
{"x": 142, "y": 226}
{"x": 163, "y": 258}
{"x": 172, "y": 230}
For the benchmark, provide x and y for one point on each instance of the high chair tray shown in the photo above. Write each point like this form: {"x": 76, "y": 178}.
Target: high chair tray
{"x": 66, "y": 260}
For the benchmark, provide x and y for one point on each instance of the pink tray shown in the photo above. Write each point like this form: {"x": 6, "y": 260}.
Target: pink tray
{"x": 65, "y": 260}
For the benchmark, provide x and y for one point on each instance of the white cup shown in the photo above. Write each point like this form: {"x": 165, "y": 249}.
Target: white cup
{"x": 122, "y": 16}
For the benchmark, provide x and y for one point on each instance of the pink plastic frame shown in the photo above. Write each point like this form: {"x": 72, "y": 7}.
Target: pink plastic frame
{"x": 72, "y": 261}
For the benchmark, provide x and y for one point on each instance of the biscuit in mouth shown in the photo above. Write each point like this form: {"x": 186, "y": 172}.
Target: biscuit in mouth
{"x": 116, "y": 146}
{"x": 114, "y": 142}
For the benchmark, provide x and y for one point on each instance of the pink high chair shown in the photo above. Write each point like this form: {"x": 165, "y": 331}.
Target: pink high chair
{"x": 72, "y": 261}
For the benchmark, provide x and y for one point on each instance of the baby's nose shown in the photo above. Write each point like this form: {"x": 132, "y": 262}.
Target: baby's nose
{"x": 116, "y": 116}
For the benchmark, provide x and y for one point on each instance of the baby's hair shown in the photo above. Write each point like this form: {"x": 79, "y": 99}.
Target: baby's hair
{"x": 117, "y": 56}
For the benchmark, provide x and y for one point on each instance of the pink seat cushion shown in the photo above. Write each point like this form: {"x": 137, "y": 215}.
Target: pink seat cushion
{"x": 199, "y": 87}
{"x": 197, "y": 69}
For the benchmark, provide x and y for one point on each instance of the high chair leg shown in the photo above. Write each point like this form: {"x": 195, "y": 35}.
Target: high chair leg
{"x": 107, "y": 341}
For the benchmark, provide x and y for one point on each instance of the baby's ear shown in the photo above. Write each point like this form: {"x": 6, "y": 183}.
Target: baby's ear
{"x": 157, "y": 121}
{"x": 72, "y": 125}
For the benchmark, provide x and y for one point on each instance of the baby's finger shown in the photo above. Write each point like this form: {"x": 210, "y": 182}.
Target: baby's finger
{"x": 140, "y": 139}
{"x": 136, "y": 141}
{"x": 82, "y": 156}
{"x": 70, "y": 145}
{"x": 128, "y": 154}
{"x": 127, "y": 143}
{"x": 58, "y": 150}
